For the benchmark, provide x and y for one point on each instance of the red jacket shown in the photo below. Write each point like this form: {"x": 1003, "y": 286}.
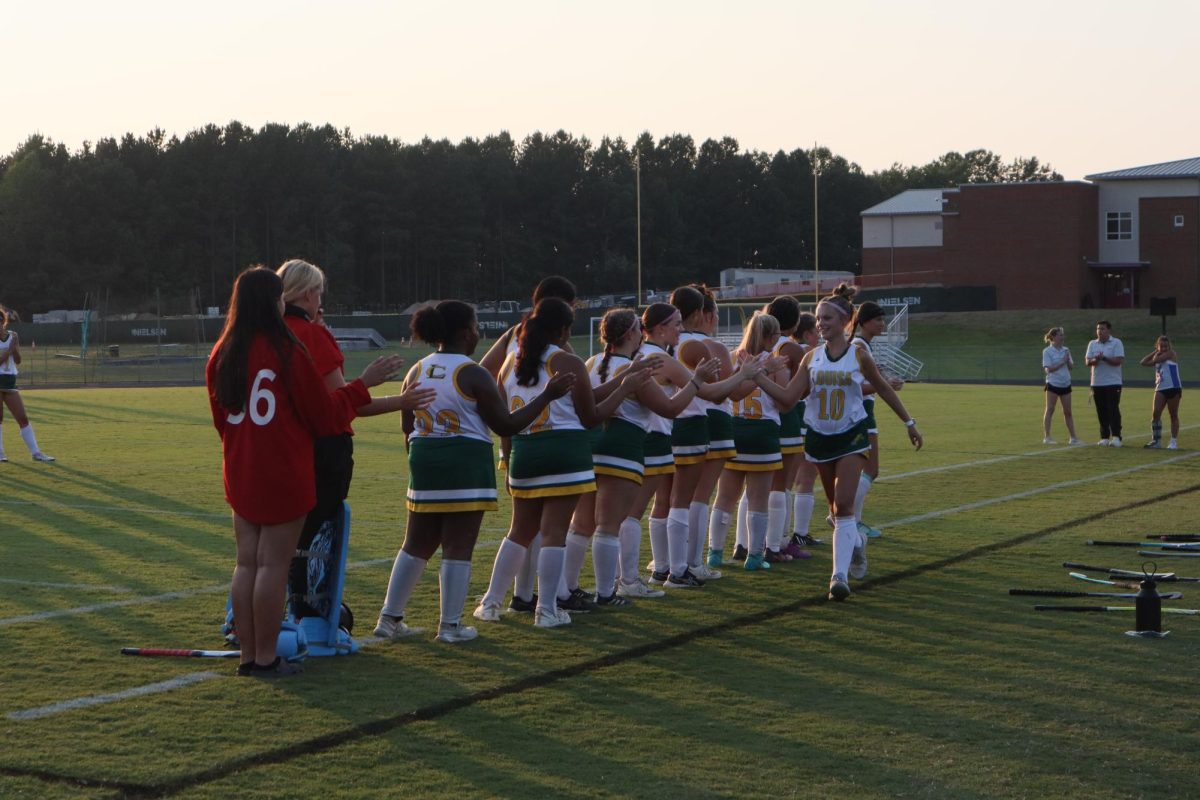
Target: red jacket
{"x": 268, "y": 447}
{"x": 327, "y": 357}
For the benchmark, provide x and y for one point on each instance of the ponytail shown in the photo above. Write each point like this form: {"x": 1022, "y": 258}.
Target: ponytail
{"x": 758, "y": 330}
{"x": 842, "y": 299}
{"x": 866, "y": 312}
{"x": 549, "y": 317}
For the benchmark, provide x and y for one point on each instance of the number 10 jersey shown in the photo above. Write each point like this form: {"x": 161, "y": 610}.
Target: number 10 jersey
{"x": 835, "y": 399}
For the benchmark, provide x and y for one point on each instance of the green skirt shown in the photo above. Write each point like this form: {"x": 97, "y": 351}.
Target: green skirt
{"x": 450, "y": 474}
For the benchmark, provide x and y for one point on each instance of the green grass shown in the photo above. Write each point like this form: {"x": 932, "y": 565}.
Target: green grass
{"x": 929, "y": 682}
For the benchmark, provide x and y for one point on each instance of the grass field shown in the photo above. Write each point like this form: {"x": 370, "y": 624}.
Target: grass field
{"x": 929, "y": 682}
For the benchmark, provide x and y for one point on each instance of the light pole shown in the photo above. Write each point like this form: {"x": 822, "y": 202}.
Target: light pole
{"x": 637, "y": 173}
{"x": 816, "y": 171}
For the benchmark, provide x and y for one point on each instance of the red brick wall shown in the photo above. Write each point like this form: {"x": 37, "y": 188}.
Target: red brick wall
{"x": 1173, "y": 253}
{"x": 912, "y": 265}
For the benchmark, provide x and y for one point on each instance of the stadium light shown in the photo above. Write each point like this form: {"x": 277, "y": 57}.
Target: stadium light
{"x": 637, "y": 172}
{"x": 816, "y": 171}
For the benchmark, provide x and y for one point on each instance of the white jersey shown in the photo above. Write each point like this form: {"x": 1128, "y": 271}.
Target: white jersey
{"x": 1059, "y": 378}
{"x": 451, "y": 413}
{"x": 7, "y": 365}
{"x": 757, "y": 405}
{"x": 658, "y": 423}
{"x": 835, "y": 401}
{"x": 1166, "y": 376}
{"x": 697, "y": 406}
{"x": 560, "y": 415}
{"x": 630, "y": 409}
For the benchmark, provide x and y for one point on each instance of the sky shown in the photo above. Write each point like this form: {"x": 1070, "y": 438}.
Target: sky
{"x": 1084, "y": 86}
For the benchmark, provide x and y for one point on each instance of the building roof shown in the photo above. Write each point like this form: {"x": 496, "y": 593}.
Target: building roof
{"x": 914, "y": 201}
{"x": 1187, "y": 168}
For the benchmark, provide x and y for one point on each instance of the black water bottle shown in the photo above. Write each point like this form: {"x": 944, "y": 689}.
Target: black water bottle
{"x": 1148, "y": 606}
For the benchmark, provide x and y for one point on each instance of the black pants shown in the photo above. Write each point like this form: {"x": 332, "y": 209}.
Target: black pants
{"x": 333, "y": 463}
{"x": 1108, "y": 410}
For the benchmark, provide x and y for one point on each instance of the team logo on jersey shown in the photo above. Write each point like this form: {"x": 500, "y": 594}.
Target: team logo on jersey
{"x": 435, "y": 372}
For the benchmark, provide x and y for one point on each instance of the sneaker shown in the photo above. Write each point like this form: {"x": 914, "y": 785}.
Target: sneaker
{"x": 579, "y": 600}
{"x": 685, "y": 581}
{"x": 795, "y": 549}
{"x": 838, "y": 588}
{"x": 519, "y": 606}
{"x": 858, "y": 560}
{"x": 658, "y": 578}
{"x": 39, "y": 456}
{"x": 546, "y": 618}
{"x": 756, "y": 562}
{"x": 1153, "y": 445}
{"x": 3, "y": 458}
{"x": 389, "y": 627}
{"x": 1048, "y": 440}
{"x": 278, "y": 668}
{"x": 637, "y": 589}
{"x": 1103, "y": 443}
{"x": 454, "y": 632}
{"x": 704, "y": 573}
{"x": 487, "y": 612}
{"x": 739, "y": 553}
{"x": 809, "y": 541}
{"x": 866, "y": 530}
{"x": 1074, "y": 440}
{"x": 1172, "y": 445}
{"x": 715, "y": 558}
{"x": 776, "y": 557}
{"x": 1116, "y": 442}
{"x": 614, "y": 600}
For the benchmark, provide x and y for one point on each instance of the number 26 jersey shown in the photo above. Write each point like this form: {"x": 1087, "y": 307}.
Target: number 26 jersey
{"x": 835, "y": 399}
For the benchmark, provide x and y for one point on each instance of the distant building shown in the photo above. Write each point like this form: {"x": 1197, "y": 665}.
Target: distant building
{"x": 1113, "y": 241}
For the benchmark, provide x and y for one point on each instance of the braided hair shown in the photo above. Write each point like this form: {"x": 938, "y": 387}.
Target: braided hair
{"x": 616, "y": 323}
{"x": 549, "y": 318}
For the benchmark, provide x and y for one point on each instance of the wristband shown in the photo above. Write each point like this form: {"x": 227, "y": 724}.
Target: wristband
{"x": 912, "y": 423}
{"x": 695, "y": 383}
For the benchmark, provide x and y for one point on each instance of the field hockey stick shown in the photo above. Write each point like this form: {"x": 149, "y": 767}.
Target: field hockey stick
{"x": 1164, "y": 545}
{"x": 163, "y": 651}
{"x": 1068, "y": 593}
{"x": 1176, "y": 537}
{"x": 1130, "y": 574}
{"x": 1167, "y": 554}
{"x": 1079, "y": 576}
{"x": 1191, "y": 612}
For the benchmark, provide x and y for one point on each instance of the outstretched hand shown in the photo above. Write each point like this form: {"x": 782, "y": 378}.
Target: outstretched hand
{"x": 559, "y": 385}
{"x": 416, "y": 397}
{"x": 381, "y": 369}
{"x": 708, "y": 369}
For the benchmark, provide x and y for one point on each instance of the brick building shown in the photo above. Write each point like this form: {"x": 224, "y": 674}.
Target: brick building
{"x": 1113, "y": 241}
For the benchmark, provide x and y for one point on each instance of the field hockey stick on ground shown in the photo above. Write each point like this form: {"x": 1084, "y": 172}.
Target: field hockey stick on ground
{"x": 1079, "y": 576}
{"x": 1176, "y": 537}
{"x": 1164, "y": 545}
{"x": 1167, "y": 554}
{"x": 163, "y": 651}
{"x": 1083, "y": 609}
{"x": 1068, "y": 593}
{"x": 1128, "y": 573}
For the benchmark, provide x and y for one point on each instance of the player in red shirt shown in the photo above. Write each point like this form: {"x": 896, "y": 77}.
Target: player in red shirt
{"x": 268, "y": 404}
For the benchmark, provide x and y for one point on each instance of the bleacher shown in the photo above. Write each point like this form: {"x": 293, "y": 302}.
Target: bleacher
{"x": 358, "y": 338}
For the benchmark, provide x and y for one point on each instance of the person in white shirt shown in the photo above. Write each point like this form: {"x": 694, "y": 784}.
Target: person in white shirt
{"x": 1057, "y": 363}
{"x": 1105, "y": 354}
{"x": 1168, "y": 389}
{"x": 10, "y": 395}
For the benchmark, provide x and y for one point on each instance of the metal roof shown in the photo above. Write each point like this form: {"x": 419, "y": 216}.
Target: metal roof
{"x": 1187, "y": 168}
{"x": 914, "y": 201}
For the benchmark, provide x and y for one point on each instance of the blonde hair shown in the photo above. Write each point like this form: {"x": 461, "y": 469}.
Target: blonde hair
{"x": 299, "y": 277}
{"x": 760, "y": 328}
{"x": 1050, "y": 334}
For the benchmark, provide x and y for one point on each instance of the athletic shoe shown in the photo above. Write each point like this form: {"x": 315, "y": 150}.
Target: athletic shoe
{"x": 545, "y": 618}
{"x": 614, "y": 600}
{"x": 756, "y": 562}
{"x": 637, "y": 589}
{"x": 276, "y": 669}
{"x": 1075, "y": 440}
{"x": 1048, "y": 440}
{"x": 685, "y": 581}
{"x": 39, "y": 456}
{"x": 1172, "y": 445}
{"x": 519, "y": 606}
{"x": 454, "y": 632}
{"x": 1116, "y": 442}
{"x": 715, "y": 558}
{"x": 658, "y": 578}
{"x": 3, "y": 458}
{"x": 795, "y": 549}
{"x": 1153, "y": 445}
{"x": 487, "y": 612}
{"x": 705, "y": 574}
{"x": 579, "y": 600}
{"x": 776, "y": 557}
{"x": 838, "y": 588}
{"x": 739, "y": 553}
{"x": 808, "y": 541}
{"x": 858, "y": 560}
{"x": 868, "y": 531}
{"x": 389, "y": 627}
{"x": 1103, "y": 443}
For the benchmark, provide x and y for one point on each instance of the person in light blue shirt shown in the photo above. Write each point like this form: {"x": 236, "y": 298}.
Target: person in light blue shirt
{"x": 1168, "y": 391}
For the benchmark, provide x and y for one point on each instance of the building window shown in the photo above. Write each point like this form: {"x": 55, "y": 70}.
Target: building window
{"x": 1120, "y": 225}
{"x": 1179, "y": 220}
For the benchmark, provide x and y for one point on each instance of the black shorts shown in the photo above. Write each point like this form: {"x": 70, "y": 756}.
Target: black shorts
{"x": 1058, "y": 390}
{"x": 1171, "y": 394}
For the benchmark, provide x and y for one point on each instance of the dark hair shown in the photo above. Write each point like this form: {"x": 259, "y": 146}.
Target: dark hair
{"x": 616, "y": 323}
{"x": 554, "y": 286}
{"x": 786, "y": 309}
{"x": 807, "y": 323}
{"x": 1105, "y": 323}
{"x": 656, "y": 314}
{"x": 842, "y": 298}
{"x": 253, "y": 312}
{"x": 441, "y": 323}
{"x": 688, "y": 299}
{"x": 866, "y": 312}
{"x": 710, "y": 299}
{"x": 549, "y": 317}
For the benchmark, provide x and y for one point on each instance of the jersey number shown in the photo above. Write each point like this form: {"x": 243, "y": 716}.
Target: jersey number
{"x": 262, "y": 401}
{"x": 751, "y": 406}
{"x": 446, "y": 419}
{"x": 833, "y": 404}
{"x": 542, "y": 423}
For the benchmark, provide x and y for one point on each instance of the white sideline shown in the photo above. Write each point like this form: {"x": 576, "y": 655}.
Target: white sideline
{"x": 124, "y": 694}
{"x": 83, "y": 587}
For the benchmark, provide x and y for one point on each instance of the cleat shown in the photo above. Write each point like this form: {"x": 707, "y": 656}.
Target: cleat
{"x": 1154, "y": 445}
{"x": 579, "y": 600}
{"x": 487, "y": 612}
{"x": 756, "y": 563}
{"x": 1075, "y": 441}
{"x": 637, "y": 589}
{"x": 545, "y": 618}
{"x": 795, "y": 549}
{"x": 519, "y": 606}
{"x": 279, "y": 668}
{"x": 454, "y": 632}
{"x": 614, "y": 600}
{"x": 685, "y": 581}
{"x": 858, "y": 560}
{"x": 658, "y": 578}
{"x": 809, "y": 541}
{"x": 389, "y": 627}
{"x": 1048, "y": 440}
{"x": 705, "y": 574}
{"x": 1116, "y": 442}
{"x": 1103, "y": 443}
{"x": 776, "y": 557}
{"x": 1172, "y": 445}
{"x": 40, "y": 456}
{"x": 838, "y": 588}
{"x": 715, "y": 558}
{"x": 866, "y": 530}
{"x": 739, "y": 553}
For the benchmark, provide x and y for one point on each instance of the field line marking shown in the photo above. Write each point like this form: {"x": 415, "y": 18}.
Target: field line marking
{"x": 87, "y": 587}
{"x": 1032, "y": 492}
{"x": 100, "y": 699}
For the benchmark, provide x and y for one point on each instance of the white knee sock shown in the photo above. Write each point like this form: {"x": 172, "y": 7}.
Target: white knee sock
{"x": 30, "y": 440}
{"x": 526, "y": 581}
{"x": 576, "y": 550}
{"x": 677, "y": 541}
{"x": 718, "y": 529}
{"x": 776, "y": 519}
{"x": 757, "y": 523}
{"x": 509, "y": 559}
{"x": 802, "y": 508}
{"x": 864, "y": 486}
{"x": 1, "y": 439}
{"x": 845, "y": 539}
{"x": 742, "y": 523}
{"x": 550, "y": 566}
{"x": 455, "y": 578}
{"x": 630, "y": 536}
{"x": 606, "y": 554}
{"x": 659, "y": 547}
{"x": 697, "y": 532}
{"x": 406, "y": 571}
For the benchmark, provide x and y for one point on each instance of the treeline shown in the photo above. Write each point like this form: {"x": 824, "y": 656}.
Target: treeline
{"x": 392, "y": 223}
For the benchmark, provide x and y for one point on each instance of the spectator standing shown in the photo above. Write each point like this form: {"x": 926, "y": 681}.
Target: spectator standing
{"x": 1105, "y": 354}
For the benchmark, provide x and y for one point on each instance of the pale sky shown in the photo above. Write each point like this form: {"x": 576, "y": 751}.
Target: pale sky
{"x": 1087, "y": 86}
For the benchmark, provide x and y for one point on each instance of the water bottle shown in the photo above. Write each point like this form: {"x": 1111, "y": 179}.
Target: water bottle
{"x": 1148, "y": 606}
